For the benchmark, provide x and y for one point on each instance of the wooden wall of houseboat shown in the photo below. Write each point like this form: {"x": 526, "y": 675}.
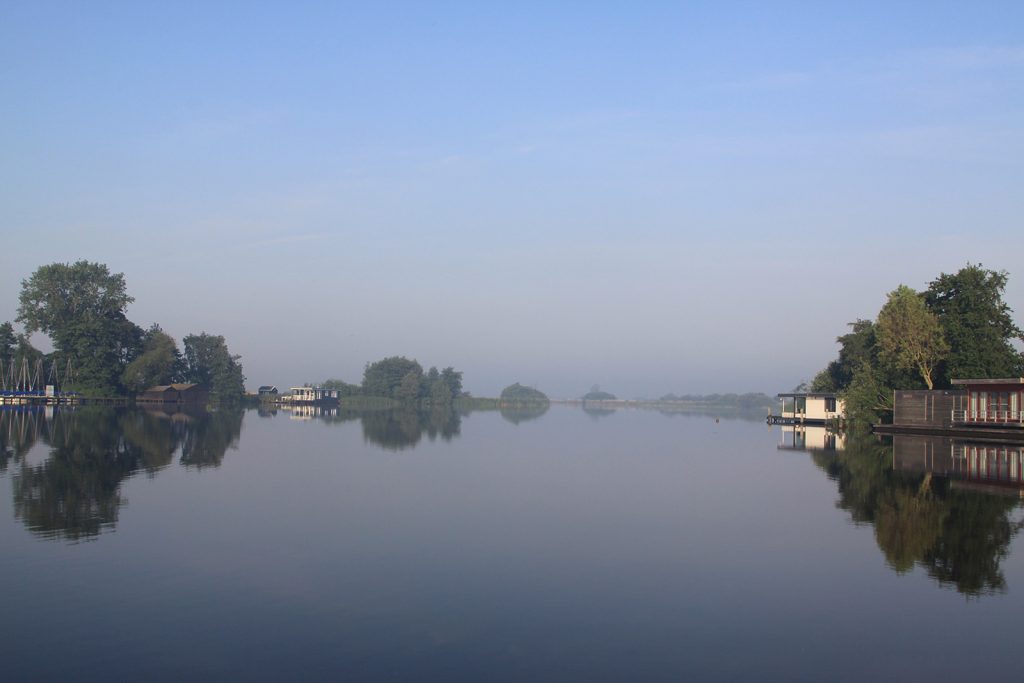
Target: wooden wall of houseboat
{"x": 925, "y": 408}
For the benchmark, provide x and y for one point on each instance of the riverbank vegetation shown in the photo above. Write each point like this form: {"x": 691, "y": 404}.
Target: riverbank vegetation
{"x": 957, "y": 328}
{"x": 81, "y": 308}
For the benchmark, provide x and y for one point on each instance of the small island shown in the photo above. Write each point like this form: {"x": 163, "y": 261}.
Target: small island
{"x": 517, "y": 394}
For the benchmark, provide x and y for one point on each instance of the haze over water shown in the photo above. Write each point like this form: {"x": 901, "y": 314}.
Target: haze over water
{"x": 568, "y": 545}
{"x": 674, "y": 197}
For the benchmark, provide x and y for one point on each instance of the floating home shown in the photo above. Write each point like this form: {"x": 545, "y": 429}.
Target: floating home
{"x": 814, "y": 408}
{"x": 989, "y": 402}
{"x": 985, "y": 408}
{"x": 310, "y": 396}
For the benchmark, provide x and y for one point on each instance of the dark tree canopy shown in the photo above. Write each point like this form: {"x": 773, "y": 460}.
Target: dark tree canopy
{"x": 402, "y": 379}
{"x": 209, "y": 363}
{"x": 8, "y": 344}
{"x": 384, "y": 377}
{"x": 60, "y": 296}
{"x": 855, "y": 348}
{"x": 977, "y": 323}
{"x": 81, "y": 306}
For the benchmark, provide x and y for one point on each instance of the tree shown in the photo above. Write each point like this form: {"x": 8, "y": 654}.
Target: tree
{"x": 909, "y": 335}
{"x": 159, "y": 363}
{"x": 342, "y": 387}
{"x": 868, "y": 397}
{"x": 209, "y": 364}
{"x": 411, "y": 386}
{"x": 517, "y": 393}
{"x": 443, "y": 387}
{"x": 81, "y": 307}
{"x": 8, "y": 343}
{"x": 384, "y": 377}
{"x": 598, "y": 395}
{"x": 855, "y": 348}
{"x": 977, "y": 324}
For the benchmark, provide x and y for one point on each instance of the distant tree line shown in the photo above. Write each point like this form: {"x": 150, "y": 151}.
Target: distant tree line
{"x": 957, "y": 328}
{"x": 81, "y": 307}
{"x": 748, "y": 401}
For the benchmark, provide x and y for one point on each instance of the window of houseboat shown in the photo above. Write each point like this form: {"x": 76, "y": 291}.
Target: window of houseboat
{"x": 830, "y": 405}
{"x": 800, "y": 404}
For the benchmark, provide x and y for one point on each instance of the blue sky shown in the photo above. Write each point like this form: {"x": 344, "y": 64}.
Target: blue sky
{"x": 669, "y": 197}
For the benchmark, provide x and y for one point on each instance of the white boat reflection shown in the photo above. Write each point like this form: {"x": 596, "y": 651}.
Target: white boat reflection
{"x": 814, "y": 438}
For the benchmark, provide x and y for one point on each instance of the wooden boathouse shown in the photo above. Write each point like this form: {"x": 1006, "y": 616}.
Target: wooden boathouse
{"x": 191, "y": 394}
{"x": 989, "y": 409}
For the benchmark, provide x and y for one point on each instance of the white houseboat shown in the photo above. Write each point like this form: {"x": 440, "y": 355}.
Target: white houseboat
{"x": 808, "y": 408}
{"x": 310, "y": 396}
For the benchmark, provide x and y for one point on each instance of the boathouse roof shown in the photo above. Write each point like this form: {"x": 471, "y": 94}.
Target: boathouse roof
{"x": 1005, "y": 380}
{"x": 171, "y": 387}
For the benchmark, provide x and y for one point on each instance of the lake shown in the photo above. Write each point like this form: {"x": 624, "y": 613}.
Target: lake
{"x": 565, "y": 545}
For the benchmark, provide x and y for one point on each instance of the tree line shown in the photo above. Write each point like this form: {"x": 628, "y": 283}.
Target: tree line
{"x": 957, "y": 328}
{"x": 81, "y": 308}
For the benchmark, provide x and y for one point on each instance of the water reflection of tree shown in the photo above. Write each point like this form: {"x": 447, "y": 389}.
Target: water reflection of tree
{"x": 958, "y": 537}
{"x": 597, "y": 412}
{"x": 404, "y": 427}
{"x": 76, "y": 493}
{"x": 209, "y": 436}
{"x": 523, "y": 412}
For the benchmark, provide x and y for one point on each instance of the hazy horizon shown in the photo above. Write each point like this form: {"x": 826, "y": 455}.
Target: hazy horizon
{"x": 678, "y": 199}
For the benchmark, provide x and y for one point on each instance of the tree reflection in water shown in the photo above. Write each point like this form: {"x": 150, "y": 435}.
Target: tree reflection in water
{"x": 403, "y": 428}
{"x": 523, "y": 412}
{"x": 75, "y": 494}
{"x": 959, "y": 537}
{"x": 394, "y": 429}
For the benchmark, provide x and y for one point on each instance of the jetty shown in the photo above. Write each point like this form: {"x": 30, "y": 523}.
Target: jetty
{"x": 25, "y": 383}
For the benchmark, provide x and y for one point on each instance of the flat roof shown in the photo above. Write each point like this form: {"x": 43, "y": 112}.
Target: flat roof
{"x": 1007, "y": 380}
{"x": 806, "y": 394}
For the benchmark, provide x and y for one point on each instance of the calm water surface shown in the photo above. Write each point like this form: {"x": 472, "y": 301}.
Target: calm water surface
{"x": 569, "y": 546}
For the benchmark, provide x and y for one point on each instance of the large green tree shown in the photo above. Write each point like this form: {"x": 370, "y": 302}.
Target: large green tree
{"x": 977, "y": 323}
{"x": 81, "y": 307}
{"x": 209, "y": 363}
{"x": 909, "y": 335}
